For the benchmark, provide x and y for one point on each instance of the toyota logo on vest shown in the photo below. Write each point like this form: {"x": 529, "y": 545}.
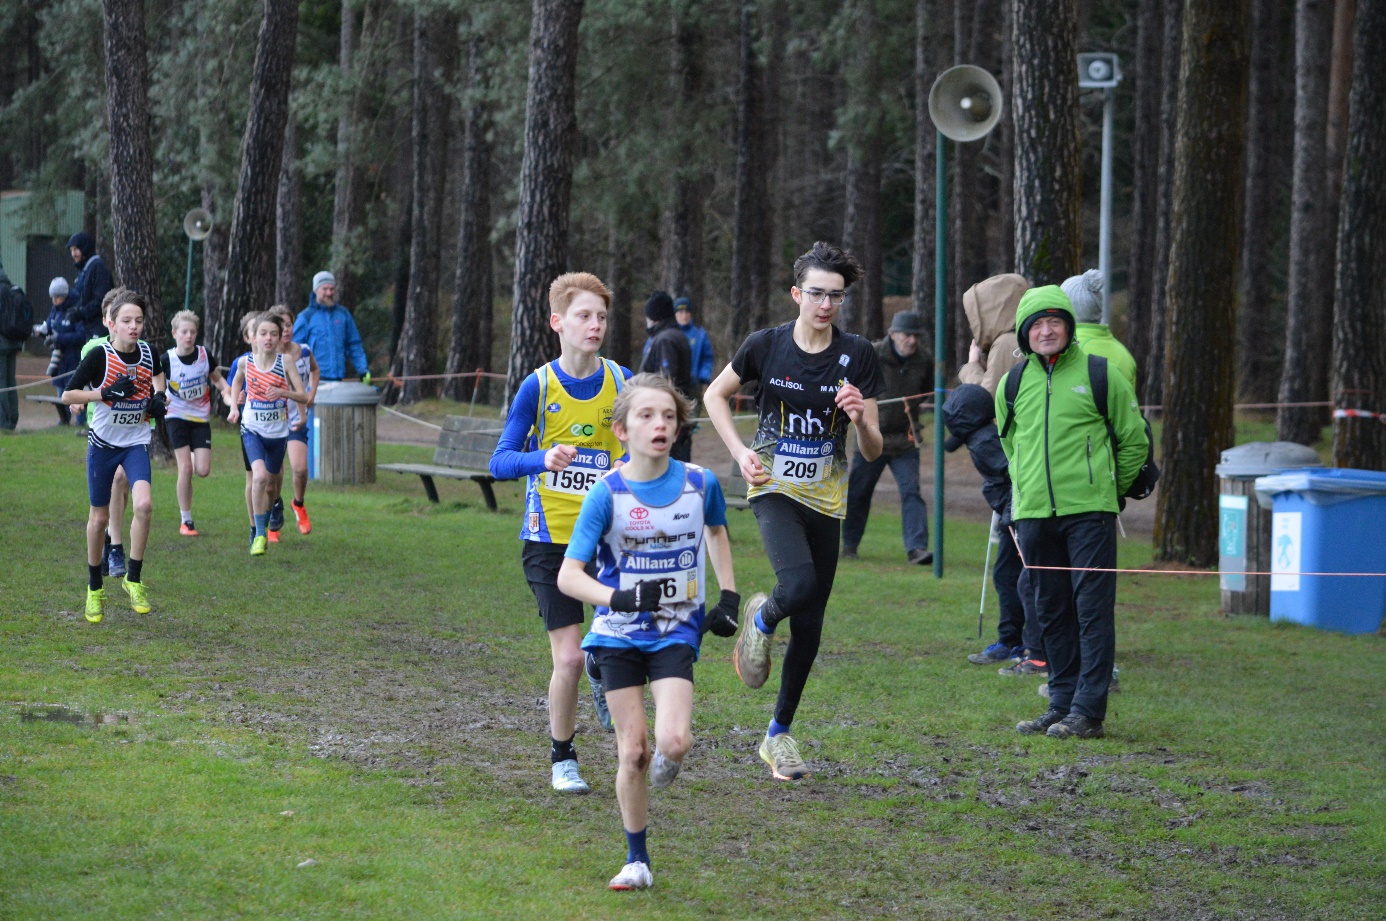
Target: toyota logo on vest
{"x": 639, "y": 513}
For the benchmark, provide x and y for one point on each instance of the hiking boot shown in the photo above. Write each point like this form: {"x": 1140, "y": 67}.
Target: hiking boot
{"x": 1026, "y": 667}
{"x": 1051, "y": 717}
{"x": 751, "y": 655}
{"x": 115, "y": 560}
{"x": 782, "y": 754}
{"x": 920, "y": 557}
{"x": 594, "y": 678}
{"x": 996, "y": 652}
{"x": 848, "y": 553}
{"x": 663, "y": 770}
{"x": 1076, "y": 726}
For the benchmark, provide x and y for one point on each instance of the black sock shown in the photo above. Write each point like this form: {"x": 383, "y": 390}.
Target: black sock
{"x": 298, "y": 503}
{"x": 132, "y": 569}
{"x": 562, "y": 751}
{"x": 94, "y": 577}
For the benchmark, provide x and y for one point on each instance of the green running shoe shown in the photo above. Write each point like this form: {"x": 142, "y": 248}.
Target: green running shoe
{"x": 258, "y": 545}
{"x": 751, "y": 655}
{"x": 139, "y": 599}
{"x": 96, "y": 602}
{"x": 782, "y": 754}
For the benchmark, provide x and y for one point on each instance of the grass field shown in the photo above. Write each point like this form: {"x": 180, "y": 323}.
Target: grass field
{"x": 371, "y": 698}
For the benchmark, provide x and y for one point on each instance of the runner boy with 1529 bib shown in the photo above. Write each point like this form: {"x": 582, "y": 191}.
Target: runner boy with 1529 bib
{"x": 813, "y": 381}
{"x": 558, "y": 434}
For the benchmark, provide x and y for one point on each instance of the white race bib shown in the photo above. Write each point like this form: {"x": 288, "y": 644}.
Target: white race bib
{"x": 267, "y": 413}
{"x": 802, "y": 461}
{"x": 681, "y": 584}
{"x": 193, "y": 391}
{"x": 581, "y": 473}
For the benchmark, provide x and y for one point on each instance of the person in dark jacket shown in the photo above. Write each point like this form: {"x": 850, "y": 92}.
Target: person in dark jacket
{"x": 667, "y": 354}
{"x": 970, "y": 416}
{"x": 907, "y": 372}
{"x": 94, "y": 280}
{"x": 698, "y": 342}
{"x": 64, "y": 335}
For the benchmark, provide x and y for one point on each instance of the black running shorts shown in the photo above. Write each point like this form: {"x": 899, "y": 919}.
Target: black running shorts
{"x": 541, "y": 563}
{"x": 185, "y": 434}
{"x": 625, "y": 667}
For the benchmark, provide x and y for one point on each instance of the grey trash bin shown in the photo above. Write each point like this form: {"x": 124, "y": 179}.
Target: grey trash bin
{"x": 343, "y": 437}
{"x": 1244, "y": 528}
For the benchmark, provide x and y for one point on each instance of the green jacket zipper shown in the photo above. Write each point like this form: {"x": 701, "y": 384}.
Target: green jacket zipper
{"x": 1048, "y": 477}
{"x": 1090, "y": 460}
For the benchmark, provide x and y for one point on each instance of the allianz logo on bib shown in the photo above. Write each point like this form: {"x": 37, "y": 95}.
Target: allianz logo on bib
{"x": 642, "y": 563}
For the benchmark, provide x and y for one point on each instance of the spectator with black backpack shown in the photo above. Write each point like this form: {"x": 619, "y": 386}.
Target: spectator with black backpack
{"x": 16, "y": 324}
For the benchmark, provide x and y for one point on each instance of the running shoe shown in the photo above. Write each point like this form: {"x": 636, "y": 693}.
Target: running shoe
{"x": 257, "y": 546}
{"x": 566, "y": 778}
{"x": 1076, "y": 726}
{"x": 187, "y": 530}
{"x": 782, "y": 754}
{"x": 1041, "y": 724}
{"x": 635, "y": 875}
{"x": 663, "y": 770}
{"x": 276, "y": 518}
{"x": 273, "y": 536}
{"x": 751, "y": 655}
{"x": 252, "y": 535}
{"x": 301, "y": 516}
{"x": 594, "y": 678}
{"x": 116, "y": 561}
{"x": 96, "y": 603}
{"x": 139, "y": 598}
{"x": 996, "y": 652}
{"x": 1026, "y": 668}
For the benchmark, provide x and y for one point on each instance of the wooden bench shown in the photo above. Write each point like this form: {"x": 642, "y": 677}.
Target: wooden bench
{"x": 465, "y": 446}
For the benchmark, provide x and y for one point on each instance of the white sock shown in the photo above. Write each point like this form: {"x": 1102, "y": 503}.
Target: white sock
{"x": 187, "y": 515}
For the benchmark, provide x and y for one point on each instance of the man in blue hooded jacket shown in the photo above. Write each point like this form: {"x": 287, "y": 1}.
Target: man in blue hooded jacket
{"x": 94, "y": 282}
{"x": 329, "y": 330}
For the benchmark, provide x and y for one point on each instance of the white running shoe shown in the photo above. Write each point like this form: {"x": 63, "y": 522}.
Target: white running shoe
{"x": 663, "y": 770}
{"x": 566, "y": 778}
{"x": 634, "y": 875}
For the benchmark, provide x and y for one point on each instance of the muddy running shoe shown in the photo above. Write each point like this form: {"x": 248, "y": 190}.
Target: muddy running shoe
{"x": 996, "y": 652}
{"x": 634, "y": 875}
{"x": 594, "y": 678}
{"x": 1033, "y": 727}
{"x": 1076, "y": 726}
{"x": 301, "y": 516}
{"x": 187, "y": 530}
{"x": 258, "y": 545}
{"x": 663, "y": 770}
{"x": 1025, "y": 668}
{"x": 96, "y": 604}
{"x": 276, "y": 518}
{"x": 273, "y": 536}
{"x": 115, "y": 560}
{"x": 782, "y": 754}
{"x": 139, "y": 598}
{"x": 566, "y": 778}
{"x": 751, "y": 655}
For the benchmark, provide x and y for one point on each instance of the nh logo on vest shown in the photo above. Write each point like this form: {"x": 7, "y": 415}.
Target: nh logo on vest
{"x": 805, "y": 424}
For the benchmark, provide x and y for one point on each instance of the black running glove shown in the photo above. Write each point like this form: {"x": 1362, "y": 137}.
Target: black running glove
{"x": 646, "y": 596}
{"x": 721, "y": 620}
{"x": 158, "y": 406}
{"x": 123, "y": 388}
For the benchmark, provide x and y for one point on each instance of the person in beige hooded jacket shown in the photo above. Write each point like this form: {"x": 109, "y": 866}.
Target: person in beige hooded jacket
{"x": 990, "y": 307}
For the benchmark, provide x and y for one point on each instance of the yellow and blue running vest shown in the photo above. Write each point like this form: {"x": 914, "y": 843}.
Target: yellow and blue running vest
{"x": 553, "y": 499}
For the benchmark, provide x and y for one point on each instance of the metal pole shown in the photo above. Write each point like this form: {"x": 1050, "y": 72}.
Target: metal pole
{"x": 187, "y": 285}
{"x": 940, "y": 339}
{"x": 1104, "y": 234}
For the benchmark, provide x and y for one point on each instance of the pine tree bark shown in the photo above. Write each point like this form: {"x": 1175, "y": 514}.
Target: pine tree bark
{"x": 1145, "y": 174}
{"x": 250, "y": 253}
{"x": 1359, "y": 318}
{"x": 618, "y": 345}
{"x": 752, "y": 231}
{"x": 288, "y": 224}
{"x": 861, "y": 224}
{"x": 974, "y": 189}
{"x": 134, "y": 238}
{"x": 1200, "y": 370}
{"x": 1154, "y": 389}
{"x": 344, "y": 189}
{"x": 1303, "y": 377}
{"x": 925, "y": 72}
{"x": 685, "y": 214}
{"x": 214, "y": 271}
{"x": 1044, "y": 103}
{"x": 546, "y": 183}
{"x": 473, "y": 317}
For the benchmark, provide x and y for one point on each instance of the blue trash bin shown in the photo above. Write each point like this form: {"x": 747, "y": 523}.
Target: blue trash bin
{"x": 1326, "y": 521}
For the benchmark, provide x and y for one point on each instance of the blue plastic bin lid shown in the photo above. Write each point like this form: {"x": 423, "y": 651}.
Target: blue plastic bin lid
{"x": 1321, "y": 486}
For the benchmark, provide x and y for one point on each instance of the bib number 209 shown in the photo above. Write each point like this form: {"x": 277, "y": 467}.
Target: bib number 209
{"x": 802, "y": 471}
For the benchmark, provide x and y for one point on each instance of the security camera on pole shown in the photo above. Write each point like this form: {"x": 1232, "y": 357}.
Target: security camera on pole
{"x": 964, "y": 105}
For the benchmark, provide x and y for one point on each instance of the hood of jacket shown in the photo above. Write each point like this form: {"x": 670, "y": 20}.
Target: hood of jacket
{"x": 990, "y": 306}
{"x": 84, "y": 243}
{"x": 968, "y": 409}
{"x": 1046, "y": 299}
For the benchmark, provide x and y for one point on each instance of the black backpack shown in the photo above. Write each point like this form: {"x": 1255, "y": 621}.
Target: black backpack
{"x": 16, "y": 315}
{"x": 1144, "y": 483}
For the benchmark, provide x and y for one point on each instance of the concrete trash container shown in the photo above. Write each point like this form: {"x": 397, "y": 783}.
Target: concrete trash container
{"x": 1327, "y": 521}
{"x": 343, "y": 435}
{"x": 1244, "y": 527}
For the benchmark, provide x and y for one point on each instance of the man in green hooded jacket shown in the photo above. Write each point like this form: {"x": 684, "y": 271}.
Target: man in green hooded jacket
{"x": 1066, "y": 479}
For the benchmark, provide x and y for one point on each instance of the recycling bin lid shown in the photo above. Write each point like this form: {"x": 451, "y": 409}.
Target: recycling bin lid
{"x": 347, "y": 393}
{"x": 1260, "y": 458}
{"x": 1321, "y": 486}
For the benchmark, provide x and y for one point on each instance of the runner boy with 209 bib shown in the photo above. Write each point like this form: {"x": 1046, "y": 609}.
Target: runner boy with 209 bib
{"x": 814, "y": 380}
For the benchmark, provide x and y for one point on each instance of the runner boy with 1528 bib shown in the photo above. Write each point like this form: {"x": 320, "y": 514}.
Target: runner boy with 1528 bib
{"x": 813, "y": 381}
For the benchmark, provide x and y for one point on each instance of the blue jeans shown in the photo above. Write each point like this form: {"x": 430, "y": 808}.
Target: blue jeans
{"x": 861, "y": 483}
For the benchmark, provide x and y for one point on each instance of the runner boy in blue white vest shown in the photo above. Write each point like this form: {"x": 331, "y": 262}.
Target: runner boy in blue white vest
{"x": 814, "y": 382}
{"x": 651, "y": 527}
{"x": 558, "y": 434}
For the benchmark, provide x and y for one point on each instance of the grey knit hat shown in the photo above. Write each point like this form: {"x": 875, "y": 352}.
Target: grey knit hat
{"x": 1085, "y": 294}
{"x": 58, "y": 287}
{"x": 323, "y": 278}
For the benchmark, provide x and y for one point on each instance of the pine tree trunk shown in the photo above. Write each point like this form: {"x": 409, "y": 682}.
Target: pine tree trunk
{"x": 1259, "y": 357}
{"x": 288, "y": 224}
{"x": 973, "y": 192}
{"x": 1200, "y": 370}
{"x": 861, "y": 223}
{"x": 751, "y": 234}
{"x": 134, "y": 234}
{"x": 546, "y": 183}
{"x": 1005, "y": 186}
{"x": 250, "y": 252}
{"x": 1145, "y": 174}
{"x": 214, "y": 274}
{"x": 619, "y": 316}
{"x": 1359, "y": 318}
{"x": 1048, "y": 194}
{"x": 925, "y": 71}
{"x": 344, "y": 189}
{"x": 1303, "y": 377}
{"x": 1154, "y": 389}
{"x": 685, "y": 214}
{"x": 473, "y": 293}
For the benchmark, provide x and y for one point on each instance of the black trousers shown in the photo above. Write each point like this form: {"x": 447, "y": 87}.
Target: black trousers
{"x": 1076, "y": 610}
{"x": 1015, "y": 596}
{"x": 802, "y": 547}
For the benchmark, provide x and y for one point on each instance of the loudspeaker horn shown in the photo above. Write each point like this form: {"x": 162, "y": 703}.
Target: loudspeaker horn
{"x": 197, "y": 224}
{"x": 965, "y": 103}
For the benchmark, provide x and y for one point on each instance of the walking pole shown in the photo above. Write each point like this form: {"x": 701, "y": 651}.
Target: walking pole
{"x": 992, "y": 539}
